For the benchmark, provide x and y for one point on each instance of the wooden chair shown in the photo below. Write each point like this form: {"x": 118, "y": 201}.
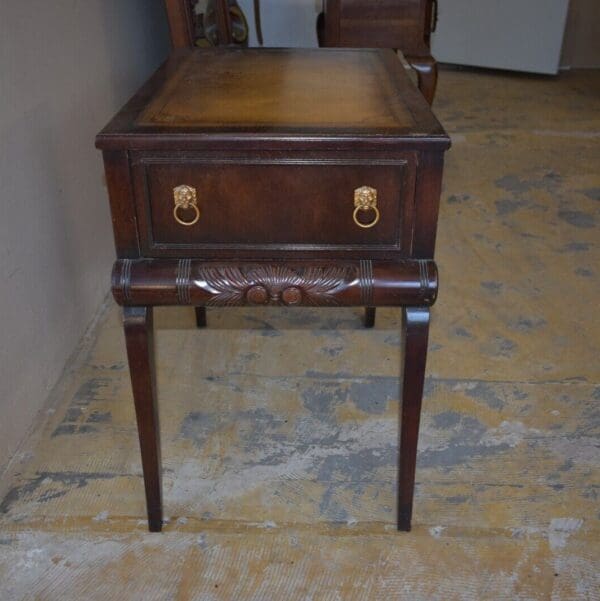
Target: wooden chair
{"x": 404, "y": 25}
{"x": 182, "y": 22}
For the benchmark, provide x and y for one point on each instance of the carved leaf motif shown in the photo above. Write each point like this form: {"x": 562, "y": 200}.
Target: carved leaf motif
{"x": 228, "y": 285}
{"x": 321, "y": 283}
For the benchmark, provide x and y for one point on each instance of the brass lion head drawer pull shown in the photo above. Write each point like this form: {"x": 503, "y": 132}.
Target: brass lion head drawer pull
{"x": 185, "y": 199}
{"x": 365, "y": 199}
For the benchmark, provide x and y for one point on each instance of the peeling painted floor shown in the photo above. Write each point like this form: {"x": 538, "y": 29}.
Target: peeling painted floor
{"x": 279, "y": 427}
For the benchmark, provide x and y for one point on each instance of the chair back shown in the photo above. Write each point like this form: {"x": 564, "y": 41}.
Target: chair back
{"x": 182, "y": 23}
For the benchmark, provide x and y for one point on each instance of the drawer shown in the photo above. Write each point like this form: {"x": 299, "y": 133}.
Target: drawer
{"x": 211, "y": 204}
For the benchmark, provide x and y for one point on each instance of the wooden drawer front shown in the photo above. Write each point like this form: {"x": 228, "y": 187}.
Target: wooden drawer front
{"x": 266, "y": 205}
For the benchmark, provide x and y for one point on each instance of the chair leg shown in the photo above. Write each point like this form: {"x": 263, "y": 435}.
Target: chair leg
{"x": 200, "y": 317}
{"x": 427, "y": 74}
{"x": 416, "y": 331}
{"x": 369, "y": 317}
{"x": 137, "y": 324}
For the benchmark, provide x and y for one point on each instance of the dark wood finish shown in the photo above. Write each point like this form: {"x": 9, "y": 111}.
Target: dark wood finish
{"x": 309, "y": 283}
{"x": 124, "y": 220}
{"x": 275, "y": 159}
{"x": 427, "y": 75}
{"x": 137, "y": 323}
{"x": 427, "y": 203}
{"x": 370, "y": 317}
{"x": 317, "y": 210}
{"x": 181, "y": 23}
{"x": 224, "y": 33}
{"x": 416, "y": 332}
{"x": 403, "y": 25}
{"x": 399, "y": 24}
{"x": 200, "y": 317}
{"x": 279, "y": 93}
{"x": 258, "y": 22}
{"x": 231, "y": 99}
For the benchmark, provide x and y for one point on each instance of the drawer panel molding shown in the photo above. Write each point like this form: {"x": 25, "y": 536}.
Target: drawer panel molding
{"x": 202, "y": 205}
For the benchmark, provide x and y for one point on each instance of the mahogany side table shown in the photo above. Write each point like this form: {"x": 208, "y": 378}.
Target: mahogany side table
{"x": 275, "y": 177}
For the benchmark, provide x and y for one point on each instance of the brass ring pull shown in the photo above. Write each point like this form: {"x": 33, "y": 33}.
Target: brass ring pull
{"x": 371, "y": 223}
{"x": 365, "y": 199}
{"x": 185, "y": 198}
{"x": 180, "y": 220}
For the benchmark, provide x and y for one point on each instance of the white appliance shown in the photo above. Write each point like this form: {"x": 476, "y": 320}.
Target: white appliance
{"x": 521, "y": 35}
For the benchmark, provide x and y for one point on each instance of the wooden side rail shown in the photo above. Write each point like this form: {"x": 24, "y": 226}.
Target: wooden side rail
{"x": 365, "y": 283}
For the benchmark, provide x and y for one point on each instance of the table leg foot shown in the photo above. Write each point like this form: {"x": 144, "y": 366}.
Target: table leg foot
{"x": 416, "y": 332}
{"x": 200, "y": 317}
{"x": 404, "y": 519}
{"x": 369, "y": 317}
{"x": 137, "y": 323}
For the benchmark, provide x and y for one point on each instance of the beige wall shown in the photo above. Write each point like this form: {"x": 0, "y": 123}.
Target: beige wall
{"x": 65, "y": 67}
{"x": 581, "y": 46}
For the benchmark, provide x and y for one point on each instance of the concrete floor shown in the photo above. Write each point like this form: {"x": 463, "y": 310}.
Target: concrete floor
{"x": 279, "y": 427}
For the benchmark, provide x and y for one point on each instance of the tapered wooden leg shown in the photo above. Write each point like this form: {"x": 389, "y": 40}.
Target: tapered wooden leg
{"x": 427, "y": 74}
{"x": 416, "y": 327}
{"x": 137, "y": 323}
{"x": 369, "y": 317}
{"x": 200, "y": 317}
